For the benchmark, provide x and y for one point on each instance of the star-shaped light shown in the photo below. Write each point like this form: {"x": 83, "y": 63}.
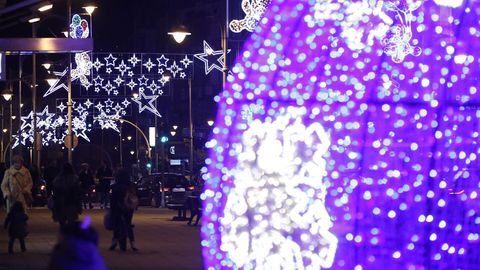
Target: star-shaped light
{"x": 162, "y": 61}
{"x": 88, "y": 103}
{"x": 186, "y": 61}
{"x": 143, "y": 80}
{"x": 122, "y": 68}
{"x": 153, "y": 87}
{"x": 134, "y": 60}
{"x": 98, "y": 81}
{"x": 56, "y": 86}
{"x": 99, "y": 106}
{"x": 131, "y": 84}
{"x": 109, "y": 103}
{"x": 97, "y": 64}
{"x": 149, "y": 64}
{"x": 61, "y": 107}
{"x": 118, "y": 80}
{"x": 209, "y": 52}
{"x": 110, "y": 60}
{"x": 107, "y": 121}
{"x": 174, "y": 69}
{"x": 126, "y": 103}
{"x": 149, "y": 105}
{"x": 109, "y": 87}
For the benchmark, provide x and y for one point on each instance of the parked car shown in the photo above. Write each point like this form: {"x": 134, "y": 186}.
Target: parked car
{"x": 150, "y": 188}
{"x": 39, "y": 193}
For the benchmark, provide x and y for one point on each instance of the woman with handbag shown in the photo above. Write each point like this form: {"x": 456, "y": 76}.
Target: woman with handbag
{"x": 17, "y": 184}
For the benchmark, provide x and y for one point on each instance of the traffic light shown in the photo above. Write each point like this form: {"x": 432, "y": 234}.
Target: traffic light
{"x": 149, "y": 164}
{"x": 164, "y": 139}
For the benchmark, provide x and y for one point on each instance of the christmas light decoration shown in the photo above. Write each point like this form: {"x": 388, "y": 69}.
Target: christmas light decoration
{"x": 57, "y": 85}
{"x": 79, "y": 27}
{"x": 253, "y": 10}
{"x": 209, "y": 52}
{"x": 401, "y": 182}
{"x": 149, "y": 106}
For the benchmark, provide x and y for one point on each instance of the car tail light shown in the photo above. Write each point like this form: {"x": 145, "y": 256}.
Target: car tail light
{"x": 191, "y": 187}
{"x": 165, "y": 189}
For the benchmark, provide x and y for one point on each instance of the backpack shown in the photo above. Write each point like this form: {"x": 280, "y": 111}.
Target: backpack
{"x": 130, "y": 201}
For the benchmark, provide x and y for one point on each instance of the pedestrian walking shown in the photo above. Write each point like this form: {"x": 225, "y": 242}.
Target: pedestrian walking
{"x": 3, "y": 168}
{"x": 123, "y": 204}
{"x": 17, "y": 184}
{"x": 67, "y": 196}
{"x": 87, "y": 182}
{"x": 16, "y": 223}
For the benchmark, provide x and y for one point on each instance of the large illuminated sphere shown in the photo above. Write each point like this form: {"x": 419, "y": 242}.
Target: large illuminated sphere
{"x": 394, "y": 85}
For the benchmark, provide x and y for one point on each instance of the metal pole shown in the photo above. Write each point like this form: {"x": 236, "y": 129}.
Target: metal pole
{"x": 156, "y": 139}
{"x": 69, "y": 101}
{"x": 190, "y": 126}
{"x": 20, "y": 74}
{"x": 120, "y": 148}
{"x": 11, "y": 130}
{"x": 3, "y": 126}
{"x": 36, "y": 150}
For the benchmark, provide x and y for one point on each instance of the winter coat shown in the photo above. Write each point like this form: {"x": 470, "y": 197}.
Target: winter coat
{"x": 16, "y": 222}
{"x": 15, "y": 183}
{"x": 67, "y": 198}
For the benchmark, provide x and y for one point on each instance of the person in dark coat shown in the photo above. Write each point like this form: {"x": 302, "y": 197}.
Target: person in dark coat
{"x": 16, "y": 222}
{"x": 67, "y": 196}
{"x": 86, "y": 181}
{"x": 51, "y": 171}
{"x": 122, "y": 214}
{"x": 104, "y": 174}
{"x": 3, "y": 168}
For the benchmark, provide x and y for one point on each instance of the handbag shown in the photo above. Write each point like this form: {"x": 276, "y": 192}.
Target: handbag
{"x": 108, "y": 220}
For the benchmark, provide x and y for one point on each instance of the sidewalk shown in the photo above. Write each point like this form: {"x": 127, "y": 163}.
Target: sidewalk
{"x": 163, "y": 244}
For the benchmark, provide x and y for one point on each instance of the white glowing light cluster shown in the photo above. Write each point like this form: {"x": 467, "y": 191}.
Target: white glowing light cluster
{"x": 363, "y": 22}
{"x": 275, "y": 218}
{"x": 83, "y": 69}
{"x": 397, "y": 41}
{"x": 254, "y": 10}
{"x": 48, "y": 124}
{"x": 449, "y": 3}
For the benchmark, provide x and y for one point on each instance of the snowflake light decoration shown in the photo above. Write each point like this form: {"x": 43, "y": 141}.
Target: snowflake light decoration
{"x": 253, "y": 10}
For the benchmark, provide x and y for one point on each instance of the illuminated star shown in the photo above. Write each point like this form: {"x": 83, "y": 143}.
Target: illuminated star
{"x": 99, "y": 106}
{"x": 109, "y": 87}
{"x": 134, "y": 60}
{"x": 153, "y": 87}
{"x": 118, "y": 81}
{"x": 55, "y": 86}
{"x": 208, "y": 52}
{"x": 109, "y": 103}
{"x": 61, "y": 107}
{"x": 80, "y": 109}
{"x": 186, "y": 61}
{"x": 182, "y": 75}
{"x": 163, "y": 81}
{"x": 174, "y": 69}
{"x": 122, "y": 68}
{"x": 130, "y": 73}
{"x": 98, "y": 81}
{"x": 131, "y": 84}
{"x": 88, "y": 103}
{"x": 97, "y": 64}
{"x": 109, "y": 70}
{"x": 143, "y": 80}
{"x": 149, "y": 105}
{"x": 149, "y": 64}
{"x": 162, "y": 61}
{"x": 110, "y": 60}
{"x": 126, "y": 103}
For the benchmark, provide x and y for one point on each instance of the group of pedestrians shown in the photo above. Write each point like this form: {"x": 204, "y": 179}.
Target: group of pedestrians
{"x": 69, "y": 192}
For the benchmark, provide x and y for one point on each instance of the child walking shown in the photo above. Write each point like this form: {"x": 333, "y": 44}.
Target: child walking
{"x": 16, "y": 222}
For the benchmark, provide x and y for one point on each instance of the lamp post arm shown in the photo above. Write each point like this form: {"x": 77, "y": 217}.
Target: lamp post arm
{"x": 141, "y": 132}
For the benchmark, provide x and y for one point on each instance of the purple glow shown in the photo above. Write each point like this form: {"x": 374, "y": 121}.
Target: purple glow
{"x": 402, "y": 168}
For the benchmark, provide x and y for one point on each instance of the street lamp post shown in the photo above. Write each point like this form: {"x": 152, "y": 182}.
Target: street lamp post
{"x": 8, "y": 95}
